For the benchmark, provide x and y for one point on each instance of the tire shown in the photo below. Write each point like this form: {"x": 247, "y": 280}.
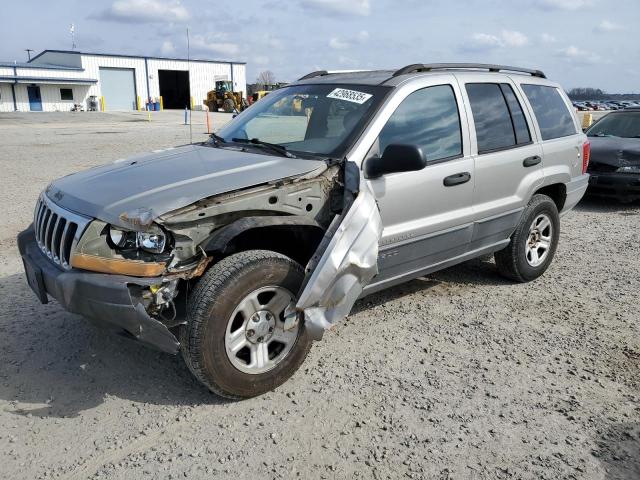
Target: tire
{"x": 525, "y": 259}
{"x": 216, "y": 308}
{"x": 229, "y": 105}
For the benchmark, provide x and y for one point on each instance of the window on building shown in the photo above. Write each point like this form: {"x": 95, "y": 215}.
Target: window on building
{"x": 66, "y": 94}
{"x": 551, "y": 111}
{"x": 429, "y": 119}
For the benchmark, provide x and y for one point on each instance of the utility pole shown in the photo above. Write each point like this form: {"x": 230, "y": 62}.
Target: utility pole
{"x": 28, "y": 50}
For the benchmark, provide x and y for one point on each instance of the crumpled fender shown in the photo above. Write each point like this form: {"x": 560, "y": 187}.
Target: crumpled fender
{"x": 345, "y": 261}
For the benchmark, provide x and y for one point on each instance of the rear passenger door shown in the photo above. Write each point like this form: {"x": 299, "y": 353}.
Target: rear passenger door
{"x": 507, "y": 156}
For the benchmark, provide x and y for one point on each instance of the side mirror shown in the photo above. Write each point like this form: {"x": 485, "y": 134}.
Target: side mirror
{"x": 394, "y": 159}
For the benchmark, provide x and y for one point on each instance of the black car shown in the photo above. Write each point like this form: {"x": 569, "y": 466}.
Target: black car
{"x": 614, "y": 165}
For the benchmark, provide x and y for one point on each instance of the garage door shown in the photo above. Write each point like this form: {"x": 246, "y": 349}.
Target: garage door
{"x": 118, "y": 88}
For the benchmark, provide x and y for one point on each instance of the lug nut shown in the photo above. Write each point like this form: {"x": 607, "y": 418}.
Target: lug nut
{"x": 270, "y": 329}
{"x": 251, "y": 333}
{"x": 259, "y": 339}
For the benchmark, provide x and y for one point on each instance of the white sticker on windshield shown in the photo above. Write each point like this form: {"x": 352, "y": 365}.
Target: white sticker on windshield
{"x": 350, "y": 95}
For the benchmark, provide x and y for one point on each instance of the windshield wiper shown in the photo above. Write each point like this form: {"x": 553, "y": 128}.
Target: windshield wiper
{"x": 217, "y": 139}
{"x": 274, "y": 147}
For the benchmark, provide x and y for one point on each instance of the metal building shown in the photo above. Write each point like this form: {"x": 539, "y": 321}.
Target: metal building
{"x": 56, "y": 79}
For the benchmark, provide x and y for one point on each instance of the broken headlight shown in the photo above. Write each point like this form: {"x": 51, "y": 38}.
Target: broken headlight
{"x": 152, "y": 241}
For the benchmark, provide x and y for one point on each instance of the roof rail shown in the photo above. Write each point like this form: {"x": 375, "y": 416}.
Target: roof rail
{"x": 318, "y": 73}
{"x": 427, "y": 67}
{"x": 321, "y": 73}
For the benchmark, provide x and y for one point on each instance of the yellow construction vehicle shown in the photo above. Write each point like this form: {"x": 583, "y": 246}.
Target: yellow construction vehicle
{"x": 224, "y": 98}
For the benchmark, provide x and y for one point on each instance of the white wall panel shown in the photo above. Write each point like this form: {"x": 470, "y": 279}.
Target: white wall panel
{"x": 201, "y": 79}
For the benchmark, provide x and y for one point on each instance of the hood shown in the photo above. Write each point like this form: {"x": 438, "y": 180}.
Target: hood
{"x": 615, "y": 151}
{"x": 140, "y": 189}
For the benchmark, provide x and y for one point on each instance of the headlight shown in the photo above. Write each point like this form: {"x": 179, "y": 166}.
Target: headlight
{"x": 122, "y": 238}
{"x": 629, "y": 169}
{"x": 153, "y": 242}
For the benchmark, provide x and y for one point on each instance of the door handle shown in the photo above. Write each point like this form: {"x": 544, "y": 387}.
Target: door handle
{"x": 531, "y": 161}
{"x": 457, "y": 179}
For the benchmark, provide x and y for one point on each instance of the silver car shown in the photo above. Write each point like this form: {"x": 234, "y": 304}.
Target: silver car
{"x": 242, "y": 250}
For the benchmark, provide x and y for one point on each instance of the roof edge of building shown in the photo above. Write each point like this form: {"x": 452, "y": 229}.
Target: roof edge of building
{"x": 149, "y": 57}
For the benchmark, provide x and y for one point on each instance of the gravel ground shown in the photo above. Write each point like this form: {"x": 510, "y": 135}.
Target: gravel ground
{"x": 457, "y": 375}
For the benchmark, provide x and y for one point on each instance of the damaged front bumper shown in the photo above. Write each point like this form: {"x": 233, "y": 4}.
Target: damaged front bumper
{"x": 622, "y": 186}
{"x": 105, "y": 299}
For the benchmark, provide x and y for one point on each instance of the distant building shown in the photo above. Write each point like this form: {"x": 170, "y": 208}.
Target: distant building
{"x": 56, "y": 79}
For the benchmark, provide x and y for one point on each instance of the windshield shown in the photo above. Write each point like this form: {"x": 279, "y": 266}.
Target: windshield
{"x": 617, "y": 125}
{"x": 307, "y": 119}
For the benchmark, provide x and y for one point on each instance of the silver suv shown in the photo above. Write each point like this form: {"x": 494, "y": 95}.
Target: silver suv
{"x": 241, "y": 250}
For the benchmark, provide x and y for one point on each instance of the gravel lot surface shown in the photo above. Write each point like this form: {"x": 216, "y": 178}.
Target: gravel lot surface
{"x": 459, "y": 375}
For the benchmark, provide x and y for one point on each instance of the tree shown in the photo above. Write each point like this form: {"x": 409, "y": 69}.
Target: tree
{"x": 266, "y": 77}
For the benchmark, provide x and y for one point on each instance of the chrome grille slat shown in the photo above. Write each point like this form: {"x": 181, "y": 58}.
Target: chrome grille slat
{"x": 63, "y": 238}
{"x": 57, "y": 230}
{"x": 47, "y": 236}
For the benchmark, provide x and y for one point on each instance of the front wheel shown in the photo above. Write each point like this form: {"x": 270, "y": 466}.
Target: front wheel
{"x": 234, "y": 341}
{"x": 534, "y": 242}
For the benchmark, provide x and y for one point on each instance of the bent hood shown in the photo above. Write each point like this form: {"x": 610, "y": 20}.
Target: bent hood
{"x": 615, "y": 151}
{"x": 138, "y": 190}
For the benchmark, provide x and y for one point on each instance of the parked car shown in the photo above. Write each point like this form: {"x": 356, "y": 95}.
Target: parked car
{"x": 615, "y": 155}
{"x": 388, "y": 176}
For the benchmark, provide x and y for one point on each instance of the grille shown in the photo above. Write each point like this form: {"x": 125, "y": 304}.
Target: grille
{"x": 57, "y": 230}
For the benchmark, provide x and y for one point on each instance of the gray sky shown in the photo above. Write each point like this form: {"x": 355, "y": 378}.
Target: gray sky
{"x": 576, "y": 42}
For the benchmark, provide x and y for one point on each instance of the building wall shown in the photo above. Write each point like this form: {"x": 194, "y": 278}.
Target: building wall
{"x": 202, "y": 78}
{"x": 50, "y": 95}
{"x": 6, "y": 98}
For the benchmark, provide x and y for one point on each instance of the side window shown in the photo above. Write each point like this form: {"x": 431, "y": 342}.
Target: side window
{"x": 554, "y": 118}
{"x": 494, "y": 130}
{"x": 517, "y": 116}
{"x": 429, "y": 119}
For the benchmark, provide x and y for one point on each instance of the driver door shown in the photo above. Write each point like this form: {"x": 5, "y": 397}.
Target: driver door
{"x": 427, "y": 215}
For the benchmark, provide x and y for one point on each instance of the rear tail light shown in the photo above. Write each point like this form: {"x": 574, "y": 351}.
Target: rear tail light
{"x": 586, "y": 154}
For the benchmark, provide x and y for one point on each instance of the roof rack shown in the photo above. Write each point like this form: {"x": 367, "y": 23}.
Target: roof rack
{"x": 321, "y": 73}
{"x": 428, "y": 67}
{"x": 318, "y": 73}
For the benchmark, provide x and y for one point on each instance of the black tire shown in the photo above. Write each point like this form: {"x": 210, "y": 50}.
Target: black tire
{"x": 229, "y": 105}
{"x": 209, "y": 309}
{"x": 512, "y": 260}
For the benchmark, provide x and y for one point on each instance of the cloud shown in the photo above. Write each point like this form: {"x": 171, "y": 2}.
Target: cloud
{"x": 338, "y": 43}
{"x": 168, "y": 48}
{"x": 260, "y": 60}
{"x": 144, "y": 11}
{"x": 339, "y": 7}
{"x": 217, "y": 44}
{"x": 512, "y": 38}
{"x": 485, "y": 41}
{"x": 577, "y": 55}
{"x": 563, "y": 4}
{"x": 606, "y": 26}
{"x": 547, "y": 38}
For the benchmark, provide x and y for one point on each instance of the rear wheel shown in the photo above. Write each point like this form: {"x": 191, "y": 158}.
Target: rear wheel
{"x": 234, "y": 341}
{"x": 534, "y": 242}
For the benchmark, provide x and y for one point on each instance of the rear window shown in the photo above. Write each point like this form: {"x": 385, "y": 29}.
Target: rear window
{"x": 554, "y": 118}
{"x": 498, "y": 117}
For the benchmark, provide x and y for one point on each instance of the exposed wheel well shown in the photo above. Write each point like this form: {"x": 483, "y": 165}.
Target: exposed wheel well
{"x": 297, "y": 242}
{"x": 557, "y": 192}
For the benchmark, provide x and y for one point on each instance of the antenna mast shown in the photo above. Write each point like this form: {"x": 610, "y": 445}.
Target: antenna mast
{"x": 72, "y": 31}
{"x": 189, "y": 73}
